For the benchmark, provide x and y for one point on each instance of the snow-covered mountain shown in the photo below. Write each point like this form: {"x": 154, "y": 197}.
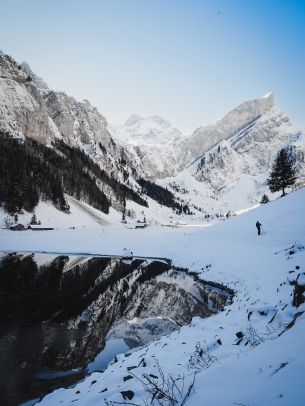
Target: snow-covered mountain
{"x": 152, "y": 130}
{"x": 150, "y": 143}
{"x": 204, "y": 138}
{"x": 232, "y": 173}
{"x": 220, "y": 167}
{"x": 28, "y": 108}
{"x": 39, "y": 82}
{"x": 255, "y": 130}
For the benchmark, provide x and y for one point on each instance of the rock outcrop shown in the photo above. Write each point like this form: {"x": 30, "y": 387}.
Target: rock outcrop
{"x": 29, "y": 109}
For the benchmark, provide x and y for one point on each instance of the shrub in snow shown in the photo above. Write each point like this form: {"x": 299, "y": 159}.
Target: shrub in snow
{"x": 201, "y": 358}
{"x": 166, "y": 390}
{"x": 265, "y": 199}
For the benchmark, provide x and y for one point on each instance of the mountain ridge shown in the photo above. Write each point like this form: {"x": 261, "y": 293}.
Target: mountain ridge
{"x": 203, "y": 169}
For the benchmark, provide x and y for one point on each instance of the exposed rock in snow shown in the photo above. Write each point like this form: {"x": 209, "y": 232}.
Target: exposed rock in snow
{"x": 39, "y": 82}
{"x": 255, "y": 128}
{"x": 250, "y": 151}
{"x": 150, "y": 144}
{"x": 28, "y": 107}
{"x": 234, "y": 153}
{"x": 152, "y": 130}
{"x": 22, "y": 110}
{"x": 79, "y": 123}
{"x": 204, "y": 138}
{"x": 233, "y": 173}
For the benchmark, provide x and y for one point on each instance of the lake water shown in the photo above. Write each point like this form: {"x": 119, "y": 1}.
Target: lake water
{"x": 65, "y": 316}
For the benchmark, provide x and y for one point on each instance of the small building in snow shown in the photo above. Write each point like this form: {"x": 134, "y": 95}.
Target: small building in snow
{"x": 142, "y": 225}
{"x": 18, "y": 227}
{"x": 39, "y": 227}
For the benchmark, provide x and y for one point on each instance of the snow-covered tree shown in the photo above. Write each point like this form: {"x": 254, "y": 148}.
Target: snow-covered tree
{"x": 33, "y": 219}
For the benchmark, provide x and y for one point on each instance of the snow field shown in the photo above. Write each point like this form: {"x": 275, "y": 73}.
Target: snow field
{"x": 264, "y": 365}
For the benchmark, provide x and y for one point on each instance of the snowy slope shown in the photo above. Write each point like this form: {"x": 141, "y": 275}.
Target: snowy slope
{"x": 29, "y": 109}
{"x": 162, "y": 150}
{"x": 152, "y": 130}
{"x": 39, "y": 82}
{"x": 250, "y": 151}
{"x": 234, "y": 154}
{"x": 232, "y": 174}
{"x": 81, "y": 216}
{"x": 203, "y": 138}
{"x": 150, "y": 144}
{"x": 253, "y": 349}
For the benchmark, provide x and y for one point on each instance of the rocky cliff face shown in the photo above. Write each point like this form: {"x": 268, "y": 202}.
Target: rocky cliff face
{"x": 204, "y": 138}
{"x": 224, "y": 166}
{"x": 152, "y": 130}
{"x": 251, "y": 151}
{"x": 39, "y": 82}
{"x": 22, "y": 109}
{"x": 232, "y": 155}
{"x": 150, "y": 145}
{"x": 160, "y": 152}
{"x": 29, "y": 109}
{"x": 232, "y": 174}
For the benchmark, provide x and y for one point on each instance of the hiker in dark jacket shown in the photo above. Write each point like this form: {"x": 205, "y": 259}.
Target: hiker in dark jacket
{"x": 258, "y": 226}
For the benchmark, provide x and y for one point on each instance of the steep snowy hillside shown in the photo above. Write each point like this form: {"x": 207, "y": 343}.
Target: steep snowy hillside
{"x": 30, "y": 111}
{"x": 250, "y": 151}
{"x": 232, "y": 174}
{"x": 253, "y": 349}
{"x": 22, "y": 110}
{"x": 150, "y": 143}
{"x": 152, "y": 130}
{"x": 28, "y": 108}
{"x": 161, "y": 150}
{"x": 242, "y": 116}
{"x": 221, "y": 167}
{"x": 39, "y": 82}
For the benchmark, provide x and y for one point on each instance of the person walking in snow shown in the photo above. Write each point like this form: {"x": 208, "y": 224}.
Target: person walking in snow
{"x": 258, "y": 226}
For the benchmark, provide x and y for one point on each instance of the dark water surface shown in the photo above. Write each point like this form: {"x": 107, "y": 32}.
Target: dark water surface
{"x": 56, "y": 311}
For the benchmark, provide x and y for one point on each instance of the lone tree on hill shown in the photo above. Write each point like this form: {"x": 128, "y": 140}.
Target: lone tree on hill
{"x": 265, "y": 199}
{"x": 283, "y": 173}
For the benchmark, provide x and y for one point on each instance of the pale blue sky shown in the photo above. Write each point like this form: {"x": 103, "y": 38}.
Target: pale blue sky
{"x": 189, "y": 61}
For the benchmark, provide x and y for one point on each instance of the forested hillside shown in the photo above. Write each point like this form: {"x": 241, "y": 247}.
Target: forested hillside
{"x": 162, "y": 195}
{"x": 30, "y": 171}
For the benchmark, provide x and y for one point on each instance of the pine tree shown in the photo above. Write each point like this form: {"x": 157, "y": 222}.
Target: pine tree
{"x": 265, "y": 199}
{"x": 283, "y": 173}
{"x": 33, "y": 219}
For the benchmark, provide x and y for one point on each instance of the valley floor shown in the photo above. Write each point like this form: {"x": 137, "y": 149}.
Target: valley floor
{"x": 263, "y": 364}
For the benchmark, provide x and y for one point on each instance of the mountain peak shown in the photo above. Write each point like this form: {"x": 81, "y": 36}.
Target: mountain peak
{"x": 268, "y": 95}
{"x": 133, "y": 119}
{"x": 39, "y": 82}
{"x": 152, "y": 130}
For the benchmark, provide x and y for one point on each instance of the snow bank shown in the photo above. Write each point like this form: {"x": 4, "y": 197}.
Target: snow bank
{"x": 253, "y": 349}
